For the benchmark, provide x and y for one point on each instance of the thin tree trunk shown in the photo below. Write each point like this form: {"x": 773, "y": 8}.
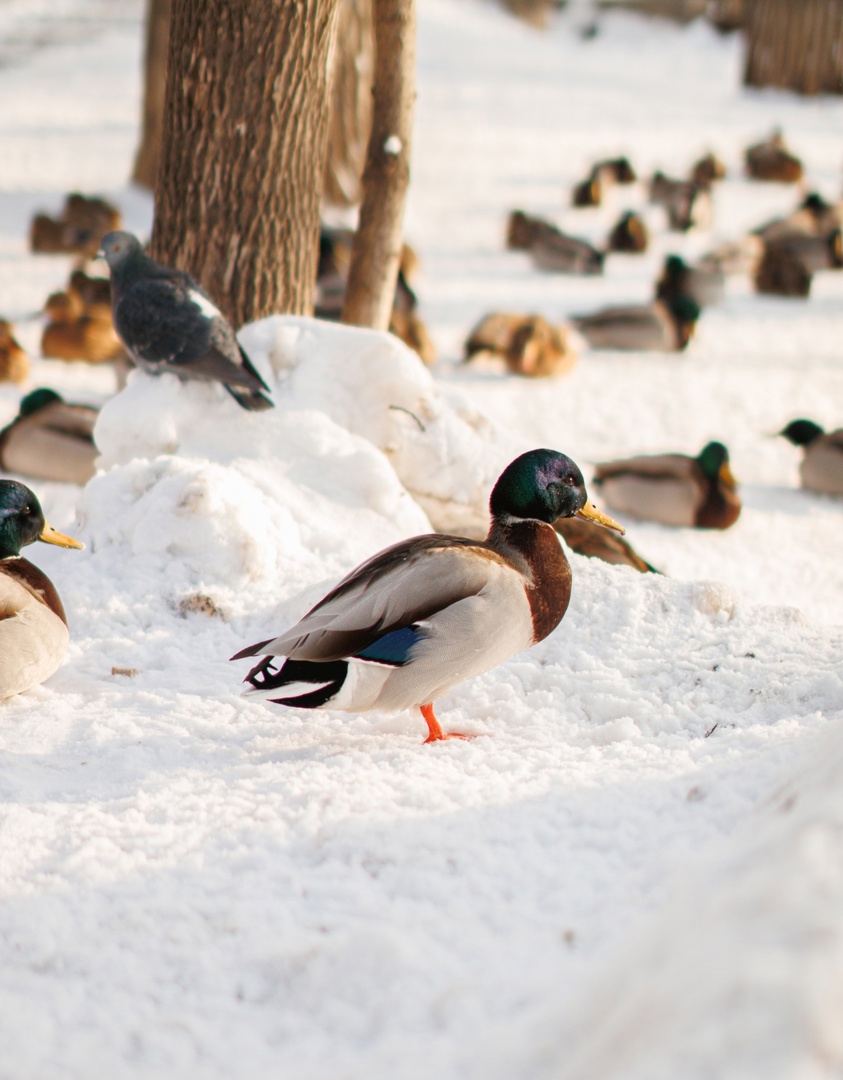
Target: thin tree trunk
{"x": 377, "y": 242}
{"x": 795, "y": 45}
{"x": 154, "y": 92}
{"x": 237, "y": 200}
{"x": 350, "y": 118}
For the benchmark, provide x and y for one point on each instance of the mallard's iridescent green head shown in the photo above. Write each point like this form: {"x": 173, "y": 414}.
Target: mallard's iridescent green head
{"x": 712, "y": 459}
{"x": 815, "y": 203}
{"x": 802, "y": 432}
{"x": 544, "y": 485}
{"x": 674, "y": 266}
{"x": 685, "y": 309}
{"x": 22, "y": 521}
{"x": 37, "y": 400}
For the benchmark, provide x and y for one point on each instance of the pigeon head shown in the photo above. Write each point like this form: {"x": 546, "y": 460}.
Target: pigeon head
{"x": 117, "y": 247}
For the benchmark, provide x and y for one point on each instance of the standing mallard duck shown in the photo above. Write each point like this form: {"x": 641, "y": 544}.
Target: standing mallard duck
{"x": 674, "y": 489}
{"x": 33, "y": 626}
{"x": 429, "y": 612}
{"x": 821, "y": 468}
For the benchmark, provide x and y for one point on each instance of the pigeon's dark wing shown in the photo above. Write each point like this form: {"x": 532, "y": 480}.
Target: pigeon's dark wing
{"x": 157, "y": 324}
{"x": 164, "y": 327}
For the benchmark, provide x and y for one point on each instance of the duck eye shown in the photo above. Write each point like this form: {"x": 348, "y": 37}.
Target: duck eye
{"x": 27, "y": 510}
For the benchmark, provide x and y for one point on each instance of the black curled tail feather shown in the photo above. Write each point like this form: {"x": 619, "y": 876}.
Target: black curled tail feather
{"x": 327, "y": 679}
{"x": 251, "y": 400}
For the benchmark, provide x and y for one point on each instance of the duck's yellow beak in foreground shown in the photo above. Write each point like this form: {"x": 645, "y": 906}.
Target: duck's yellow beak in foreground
{"x": 591, "y": 513}
{"x": 52, "y": 536}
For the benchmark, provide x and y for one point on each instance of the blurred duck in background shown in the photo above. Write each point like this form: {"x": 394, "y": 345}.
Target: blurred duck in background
{"x": 50, "y": 439}
{"x": 14, "y": 362}
{"x": 629, "y": 235}
{"x": 821, "y": 468}
{"x": 664, "y": 325}
{"x": 704, "y": 284}
{"x": 673, "y": 489}
{"x": 528, "y": 344}
{"x": 550, "y": 248}
{"x": 771, "y": 160}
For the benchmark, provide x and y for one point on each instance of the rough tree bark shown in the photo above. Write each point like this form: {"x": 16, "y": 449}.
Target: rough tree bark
{"x": 377, "y": 243}
{"x": 237, "y": 198}
{"x": 350, "y": 116}
{"x": 795, "y": 44}
{"x": 154, "y": 91}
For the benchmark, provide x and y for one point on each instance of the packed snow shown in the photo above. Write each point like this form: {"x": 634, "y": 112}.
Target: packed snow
{"x": 636, "y": 869}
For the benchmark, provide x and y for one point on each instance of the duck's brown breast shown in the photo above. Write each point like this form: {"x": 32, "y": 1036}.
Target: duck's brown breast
{"x": 534, "y": 549}
{"x": 721, "y": 506}
{"x": 34, "y": 581}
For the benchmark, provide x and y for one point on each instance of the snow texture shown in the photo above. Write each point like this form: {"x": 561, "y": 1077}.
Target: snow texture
{"x": 636, "y": 870}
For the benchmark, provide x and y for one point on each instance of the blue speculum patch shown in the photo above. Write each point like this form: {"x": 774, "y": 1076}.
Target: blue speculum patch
{"x": 392, "y": 648}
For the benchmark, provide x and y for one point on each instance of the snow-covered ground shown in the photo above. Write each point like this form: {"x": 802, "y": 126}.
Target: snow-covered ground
{"x": 637, "y": 871}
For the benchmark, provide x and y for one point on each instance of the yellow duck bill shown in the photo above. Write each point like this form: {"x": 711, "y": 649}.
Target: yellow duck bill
{"x": 52, "y": 536}
{"x": 590, "y": 513}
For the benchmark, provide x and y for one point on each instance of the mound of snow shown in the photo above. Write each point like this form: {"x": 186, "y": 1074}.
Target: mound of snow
{"x": 741, "y": 973}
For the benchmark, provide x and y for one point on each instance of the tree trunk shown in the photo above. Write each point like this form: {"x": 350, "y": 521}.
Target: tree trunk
{"x": 377, "y": 242}
{"x": 154, "y": 92}
{"x": 350, "y": 122}
{"x": 795, "y": 44}
{"x": 237, "y": 199}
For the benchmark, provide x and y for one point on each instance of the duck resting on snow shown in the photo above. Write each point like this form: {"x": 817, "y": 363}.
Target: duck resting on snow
{"x": 821, "y": 468}
{"x": 423, "y": 615}
{"x": 33, "y": 626}
{"x": 663, "y": 325}
{"x": 50, "y": 439}
{"x": 674, "y": 489}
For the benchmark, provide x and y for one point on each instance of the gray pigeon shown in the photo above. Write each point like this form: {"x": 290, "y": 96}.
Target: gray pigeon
{"x": 168, "y": 323}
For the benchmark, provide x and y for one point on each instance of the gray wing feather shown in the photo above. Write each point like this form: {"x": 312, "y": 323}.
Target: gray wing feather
{"x": 401, "y": 586}
{"x": 665, "y": 466}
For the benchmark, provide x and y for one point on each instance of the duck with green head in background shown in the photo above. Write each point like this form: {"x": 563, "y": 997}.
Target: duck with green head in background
{"x": 673, "y": 489}
{"x": 33, "y": 625}
{"x": 821, "y": 468}
{"x": 663, "y": 326}
{"x": 50, "y": 439}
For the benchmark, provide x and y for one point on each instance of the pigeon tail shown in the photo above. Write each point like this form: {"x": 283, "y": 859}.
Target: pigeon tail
{"x": 251, "y": 400}
{"x": 250, "y": 367}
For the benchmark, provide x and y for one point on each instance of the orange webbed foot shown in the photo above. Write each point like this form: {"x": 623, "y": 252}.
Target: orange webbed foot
{"x": 435, "y": 732}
